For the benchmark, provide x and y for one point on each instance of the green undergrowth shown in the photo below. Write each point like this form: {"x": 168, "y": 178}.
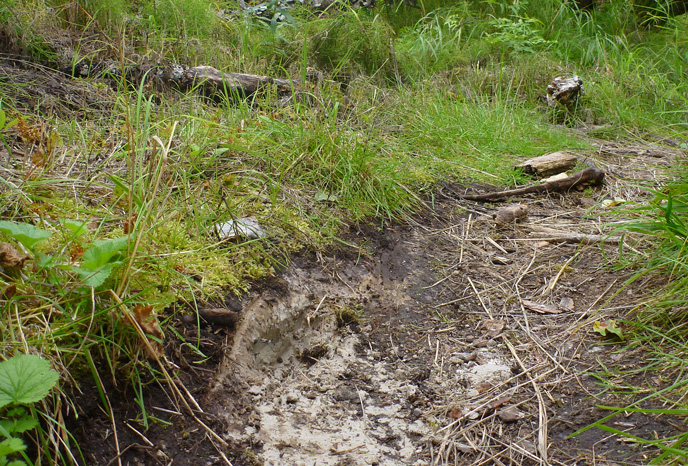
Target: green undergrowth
{"x": 125, "y": 208}
{"x": 656, "y": 329}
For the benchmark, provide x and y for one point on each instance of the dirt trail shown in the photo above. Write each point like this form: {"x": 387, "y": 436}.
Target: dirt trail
{"x": 420, "y": 348}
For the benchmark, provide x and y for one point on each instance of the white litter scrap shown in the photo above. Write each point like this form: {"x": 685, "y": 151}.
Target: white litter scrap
{"x": 246, "y": 227}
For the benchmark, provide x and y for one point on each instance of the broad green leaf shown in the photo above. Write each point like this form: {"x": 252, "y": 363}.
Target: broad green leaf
{"x": 10, "y": 446}
{"x": 25, "y": 378}
{"x": 17, "y": 426}
{"x": 608, "y": 328}
{"x": 11, "y": 123}
{"x": 25, "y": 233}
{"x": 77, "y": 227}
{"x": 102, "y": 252}
{"x": 96, "y": 277}
{"x": 16, "y": 463}
{"x": 43, "y": 260}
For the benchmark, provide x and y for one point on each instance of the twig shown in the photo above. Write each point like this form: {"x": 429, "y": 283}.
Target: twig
{"x": 548, "y": 290}
{"x": 479, "y": 297}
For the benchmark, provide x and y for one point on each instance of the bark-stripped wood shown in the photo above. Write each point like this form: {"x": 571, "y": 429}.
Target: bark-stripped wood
{"x": 550, "y": 164}
{"x": 583, "y": 177}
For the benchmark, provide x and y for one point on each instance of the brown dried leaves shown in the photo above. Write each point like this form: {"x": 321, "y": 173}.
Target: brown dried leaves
{"x": 148, "y": 322}
{"x": 10, "y": 258}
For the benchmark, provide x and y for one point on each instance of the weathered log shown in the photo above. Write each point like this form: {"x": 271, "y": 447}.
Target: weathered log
{"x": 587, "y": 176}
{"x": 212, "y": 81}
{"x": 206, "y": 78}
{"x": 549, "y": 164}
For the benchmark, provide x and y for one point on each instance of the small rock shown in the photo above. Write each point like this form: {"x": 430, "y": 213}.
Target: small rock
{"x": 566, "y": 303}
{"x": 510, "y": 414}
{"x": 418, "y": 427}
{"x": 344, "y": 394}
{"x": 246, "y": 227}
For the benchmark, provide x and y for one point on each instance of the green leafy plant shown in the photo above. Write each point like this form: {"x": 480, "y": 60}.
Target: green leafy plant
{"x": 99, "y": 259}
{"x": 517, "y": 34}
{"x": 609, "y": 329}
{"x": 24, "y": 379}
{"x": 25, "y": 233}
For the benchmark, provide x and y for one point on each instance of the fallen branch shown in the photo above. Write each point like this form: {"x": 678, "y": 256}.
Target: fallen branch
{"x": 587, "y": 176}
{"x": 206, "y": 78}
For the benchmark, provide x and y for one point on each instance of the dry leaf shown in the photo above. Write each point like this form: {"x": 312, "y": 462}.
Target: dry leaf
{"x": 149, "y": 324}
{"x": 540, "y": 308}
{"x": 566, "y": 303}
{"x": 10, "y": 257}
{"x": 493, "y": 327}
{"x": 129, "y": 224}
{"x": 75, "y": 252}
{"x": 38, "y": 157}
{"x": 9, "y": 291}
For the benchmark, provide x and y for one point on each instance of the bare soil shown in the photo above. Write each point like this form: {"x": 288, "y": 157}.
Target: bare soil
{"x": 418, "y": 347}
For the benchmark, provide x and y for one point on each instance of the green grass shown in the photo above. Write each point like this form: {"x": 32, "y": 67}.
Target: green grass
{"x": 411, "y": 97}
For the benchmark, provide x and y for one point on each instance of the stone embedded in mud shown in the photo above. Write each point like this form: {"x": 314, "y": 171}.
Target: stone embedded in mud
{"x": 490, "y": 372}
{"x": 510, "y": 214}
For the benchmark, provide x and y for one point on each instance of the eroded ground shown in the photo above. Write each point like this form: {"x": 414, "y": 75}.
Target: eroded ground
{"x": 420, "y": 347}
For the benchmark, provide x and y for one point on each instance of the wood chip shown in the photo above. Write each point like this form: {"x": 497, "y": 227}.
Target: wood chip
{"x": 550, "y": 164}
{"x": 540, "y": 308}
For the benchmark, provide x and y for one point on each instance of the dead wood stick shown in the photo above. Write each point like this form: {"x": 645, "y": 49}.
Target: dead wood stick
{"x": 548, "y": 234}
{"x": 587, "y": 176}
